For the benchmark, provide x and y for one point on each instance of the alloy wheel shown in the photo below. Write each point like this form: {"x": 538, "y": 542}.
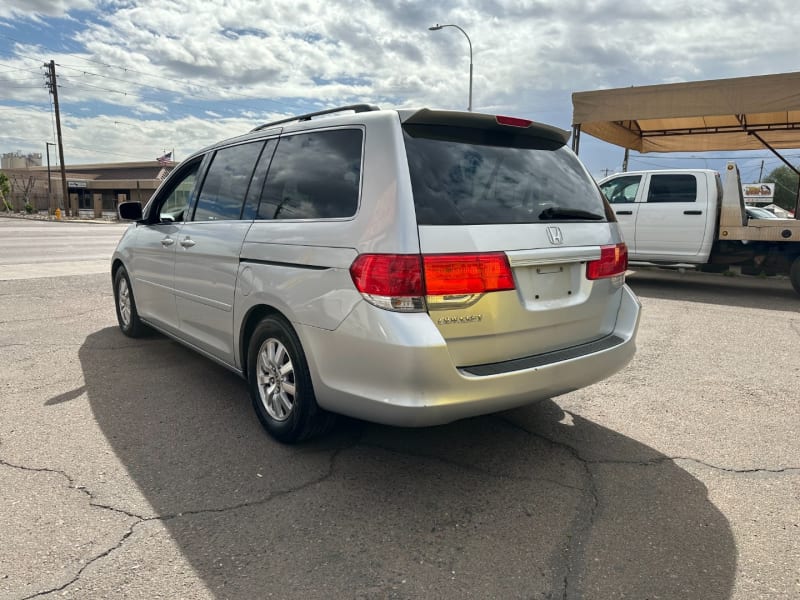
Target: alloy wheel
{"x": 276, "y": 379}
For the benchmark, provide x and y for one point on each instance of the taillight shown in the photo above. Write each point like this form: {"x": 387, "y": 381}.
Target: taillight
{"x": 454, "y": 274}
{"x": 390, "y": 281}
{"x": 613, "y": 262}
{"x": 401, "y": 282}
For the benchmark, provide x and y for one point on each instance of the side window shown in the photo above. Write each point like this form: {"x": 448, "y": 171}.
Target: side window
{"x": 314, "y": 175}
{"x": 173, "y": 206}
{"x": 225, "y": 185}
{"x": 621, "y": 190}
{"x": 672, "y": 188}
{"x": 257, "y": 183}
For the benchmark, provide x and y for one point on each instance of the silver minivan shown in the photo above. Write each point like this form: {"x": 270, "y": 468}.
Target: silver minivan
{"x": 409, "y": 267}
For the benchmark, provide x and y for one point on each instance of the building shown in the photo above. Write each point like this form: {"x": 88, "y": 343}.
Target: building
{"x": 17, "y": 160}
{"x": 95, "y": 188}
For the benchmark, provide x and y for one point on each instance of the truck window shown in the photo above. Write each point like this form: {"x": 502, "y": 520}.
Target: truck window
{"x": 621, "y": 190}
{"x": 672, "y": 188}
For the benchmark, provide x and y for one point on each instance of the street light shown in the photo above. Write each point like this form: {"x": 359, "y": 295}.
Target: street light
{"x": 49, "y": 183}
{"x": 437, "y": 27}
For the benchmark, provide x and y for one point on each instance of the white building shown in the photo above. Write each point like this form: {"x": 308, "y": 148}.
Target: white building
{"x": 17, "y": 160}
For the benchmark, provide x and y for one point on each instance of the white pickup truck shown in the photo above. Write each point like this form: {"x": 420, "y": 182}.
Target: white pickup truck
{"x": 694, "y": 216}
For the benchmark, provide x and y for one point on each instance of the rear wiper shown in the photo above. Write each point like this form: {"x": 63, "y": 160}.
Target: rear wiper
{"x": 553, "y": 213}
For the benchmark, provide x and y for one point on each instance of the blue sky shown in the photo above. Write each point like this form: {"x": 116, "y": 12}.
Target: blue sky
{"x": 141, "y": 77}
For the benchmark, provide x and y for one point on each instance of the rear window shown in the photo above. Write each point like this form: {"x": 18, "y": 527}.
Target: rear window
{"x": 461, "y": 176}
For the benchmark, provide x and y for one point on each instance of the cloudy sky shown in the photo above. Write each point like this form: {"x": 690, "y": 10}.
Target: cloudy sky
{"x": 140, "y": 77}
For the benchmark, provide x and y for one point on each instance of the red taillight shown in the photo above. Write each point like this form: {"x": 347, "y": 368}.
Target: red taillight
{"x": 454, "y": 274}
{"x": 388, "y": 274}
{"x": 613, "y": 261}
{"x": 401, "y": 281}
{"x": 513, "y": 121}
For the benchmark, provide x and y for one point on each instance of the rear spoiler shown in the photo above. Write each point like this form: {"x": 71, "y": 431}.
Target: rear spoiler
{"x": 480, "y": 121}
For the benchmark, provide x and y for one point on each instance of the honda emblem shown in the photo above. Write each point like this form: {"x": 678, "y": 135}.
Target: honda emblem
{"x": 554, "y": 235}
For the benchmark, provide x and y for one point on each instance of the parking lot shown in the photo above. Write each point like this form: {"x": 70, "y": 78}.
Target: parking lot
{"x": 137, "y": 469}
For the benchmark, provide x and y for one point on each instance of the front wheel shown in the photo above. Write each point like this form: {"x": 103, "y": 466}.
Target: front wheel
{"x": 794, "y": 274}
{"x": 127, "y": 315}
{"x": 280, "y": 384}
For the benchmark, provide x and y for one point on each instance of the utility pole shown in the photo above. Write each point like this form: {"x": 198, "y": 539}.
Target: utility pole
{"x": 625, "y": 161}
{"x": 52, "y": 83}
{"x": 761, "y": 172}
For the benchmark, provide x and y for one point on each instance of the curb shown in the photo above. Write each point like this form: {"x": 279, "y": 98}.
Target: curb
{"x": 50, "y": 219}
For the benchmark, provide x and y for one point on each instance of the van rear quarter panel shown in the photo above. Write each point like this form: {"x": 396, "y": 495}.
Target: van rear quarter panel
{"x": 301, "y": 267}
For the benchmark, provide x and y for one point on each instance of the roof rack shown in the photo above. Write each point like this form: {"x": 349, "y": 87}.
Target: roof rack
{"x": 308, "y": 116}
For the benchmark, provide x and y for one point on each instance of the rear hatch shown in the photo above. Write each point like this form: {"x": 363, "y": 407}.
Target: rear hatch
{"x": 519, "y": 255}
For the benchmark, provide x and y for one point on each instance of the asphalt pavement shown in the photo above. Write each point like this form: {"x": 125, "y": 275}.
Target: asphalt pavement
{"x": 137, "y": 469}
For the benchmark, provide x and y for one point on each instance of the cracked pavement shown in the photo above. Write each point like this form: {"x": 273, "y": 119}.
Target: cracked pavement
{"x": 136, "y": 469}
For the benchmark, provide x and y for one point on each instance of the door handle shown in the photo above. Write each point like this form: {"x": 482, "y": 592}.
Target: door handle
{"x": 624, "y": 212}
{"x": 187, "y": 243}
{"x": 167, "y": 241}
{"x": 693, "y": 212}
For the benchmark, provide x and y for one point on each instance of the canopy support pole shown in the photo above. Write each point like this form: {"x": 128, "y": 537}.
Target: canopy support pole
{"x": 788, "y": 164}
{"x": 576, "y": 138}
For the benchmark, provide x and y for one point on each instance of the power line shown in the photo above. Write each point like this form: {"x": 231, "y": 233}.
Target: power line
{"x": 104, "y": 152}
{"x": 193, "y": 84}
{"x": 71, "y": 82}
{"x": 167, "y": 90}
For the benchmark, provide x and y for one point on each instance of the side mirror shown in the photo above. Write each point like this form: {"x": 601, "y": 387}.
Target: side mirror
{"x": 130, "y": 211}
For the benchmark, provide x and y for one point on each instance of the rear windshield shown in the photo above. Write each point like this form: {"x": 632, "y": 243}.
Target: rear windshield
{"x": 463, "y": 176}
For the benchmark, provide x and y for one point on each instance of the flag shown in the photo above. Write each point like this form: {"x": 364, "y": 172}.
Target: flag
{"x": 166, "y": 158}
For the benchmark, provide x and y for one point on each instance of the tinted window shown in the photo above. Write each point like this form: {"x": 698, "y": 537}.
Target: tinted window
{"x": 173, "y": 204}
{"x": 672, "y": 188}
{"x": 314, "y": 176}
{"x": 226, "y": 182}
{"x": 621, "y": 190}
{"x": 257, "y": 183}
{"x": 471, "y": 177}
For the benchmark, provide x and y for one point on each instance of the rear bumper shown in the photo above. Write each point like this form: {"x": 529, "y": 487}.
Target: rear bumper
{"x": 395, "y": 369}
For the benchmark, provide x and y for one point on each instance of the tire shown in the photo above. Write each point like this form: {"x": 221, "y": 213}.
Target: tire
{"x": 794, "y": 274}
{"x": 127, "y": 315}
{"x": 280, "y": 384}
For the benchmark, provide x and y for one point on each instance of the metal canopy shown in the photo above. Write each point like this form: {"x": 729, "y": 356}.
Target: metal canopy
{"x": 744, "y": 113}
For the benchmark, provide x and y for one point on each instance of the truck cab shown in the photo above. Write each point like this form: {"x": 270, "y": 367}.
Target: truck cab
{"x": 666, "y": 216}
{"x": 697, "y": 217}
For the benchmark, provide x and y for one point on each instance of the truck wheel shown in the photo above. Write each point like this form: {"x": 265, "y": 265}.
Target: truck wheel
{"x": 280, "y": 384}
{"x": 794, "y": 274}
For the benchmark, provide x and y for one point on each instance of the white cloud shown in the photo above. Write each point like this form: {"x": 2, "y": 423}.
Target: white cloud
{"x": 233, "y": 62}
{"x": 89, "y": 139}
{"x": 33, "y": 9}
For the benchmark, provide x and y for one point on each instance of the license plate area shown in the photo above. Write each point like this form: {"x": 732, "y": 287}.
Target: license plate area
{"x": 542, "y": 285}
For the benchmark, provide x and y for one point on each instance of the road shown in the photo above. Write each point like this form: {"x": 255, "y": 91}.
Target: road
{"x": 136, "y": 468}
{"x": 33, "y": 248}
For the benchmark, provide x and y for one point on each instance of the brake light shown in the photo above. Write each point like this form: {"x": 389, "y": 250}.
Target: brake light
{"x": 613, "y": 261}
{"x": 390, "y": 281}
{"x": 454, "y": 274}
{"x": 513, "y": 121}
{"x": 401, "y": 282}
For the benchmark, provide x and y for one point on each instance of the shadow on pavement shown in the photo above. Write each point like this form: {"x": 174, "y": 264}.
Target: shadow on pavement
{"x": 707, "y": 288}
{"x": 533, "y": 503}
